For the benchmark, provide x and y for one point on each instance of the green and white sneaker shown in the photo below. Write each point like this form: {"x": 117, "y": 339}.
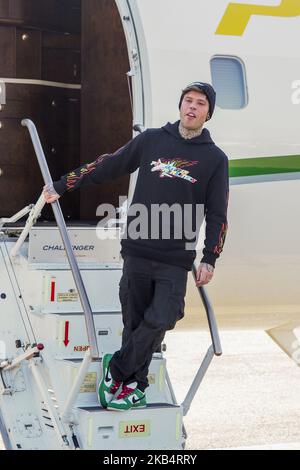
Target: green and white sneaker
{"x": 127, "y": 399}
{"x": 108, "y": 387}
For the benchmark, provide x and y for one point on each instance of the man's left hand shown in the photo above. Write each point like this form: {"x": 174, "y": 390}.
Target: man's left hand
{"x": 205, "y": 274}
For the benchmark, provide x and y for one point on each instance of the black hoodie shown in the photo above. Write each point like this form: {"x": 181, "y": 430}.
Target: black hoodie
{"x": 172, "y": 170}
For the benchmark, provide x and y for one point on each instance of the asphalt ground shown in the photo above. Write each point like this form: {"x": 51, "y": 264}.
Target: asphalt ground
{"x": 249, "y": 397}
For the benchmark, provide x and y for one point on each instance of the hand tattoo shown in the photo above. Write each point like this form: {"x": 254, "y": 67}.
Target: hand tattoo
{"x": 208, "y": 267}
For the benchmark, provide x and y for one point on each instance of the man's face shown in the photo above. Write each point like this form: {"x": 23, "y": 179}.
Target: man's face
{"x": 194, "y": 110}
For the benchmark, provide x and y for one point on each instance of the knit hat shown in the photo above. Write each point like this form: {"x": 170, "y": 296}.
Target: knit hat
{"x": 205, "y": 88}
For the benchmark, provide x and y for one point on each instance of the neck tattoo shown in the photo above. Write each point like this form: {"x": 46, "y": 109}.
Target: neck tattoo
{"x": 189, "y": 133}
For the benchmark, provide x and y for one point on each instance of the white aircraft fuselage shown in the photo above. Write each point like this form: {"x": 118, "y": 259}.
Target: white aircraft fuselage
{"x": 259, "y": 268}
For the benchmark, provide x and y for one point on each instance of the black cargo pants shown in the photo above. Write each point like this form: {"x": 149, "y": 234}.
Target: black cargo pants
{"x": 152, "y": 299}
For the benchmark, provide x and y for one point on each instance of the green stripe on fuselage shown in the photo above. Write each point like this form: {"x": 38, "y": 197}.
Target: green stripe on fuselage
{"x": 264, "y": 166}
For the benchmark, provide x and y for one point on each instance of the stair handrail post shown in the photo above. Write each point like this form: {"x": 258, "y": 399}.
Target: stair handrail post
{"x": 214, "y": 349}
{"x": 90, "y": 326}
{"x": 213, "y": 327}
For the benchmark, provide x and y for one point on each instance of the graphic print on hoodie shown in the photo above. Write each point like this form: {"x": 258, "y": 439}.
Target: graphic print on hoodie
{"x": 172, "y": 171}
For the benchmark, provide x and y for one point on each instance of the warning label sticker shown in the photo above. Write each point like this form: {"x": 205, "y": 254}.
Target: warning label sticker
{"x": 80, "y": 348}
{"x": 151, "y": 379}
{"x": 67, "y": 297}
{"x": 90, "y": 383}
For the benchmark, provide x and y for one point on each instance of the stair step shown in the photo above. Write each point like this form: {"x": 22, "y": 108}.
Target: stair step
{"x": 134, "y": 429}
{"x": 66, "y": 371}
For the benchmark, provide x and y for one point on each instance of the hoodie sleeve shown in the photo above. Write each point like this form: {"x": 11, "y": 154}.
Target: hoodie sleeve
{"x": 108, "y": 166}
{"x": 216, "y": 213}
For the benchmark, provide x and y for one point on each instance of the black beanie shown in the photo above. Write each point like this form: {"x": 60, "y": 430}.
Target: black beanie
{"x": 207, "y": 89}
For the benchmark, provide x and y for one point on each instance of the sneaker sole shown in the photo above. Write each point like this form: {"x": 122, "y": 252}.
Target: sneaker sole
{"x": 127, "y": 409}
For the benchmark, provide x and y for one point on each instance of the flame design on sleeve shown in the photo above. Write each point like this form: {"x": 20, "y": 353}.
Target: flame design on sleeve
{"x": 219, "y": 248}
{"x": 73, "y": 177}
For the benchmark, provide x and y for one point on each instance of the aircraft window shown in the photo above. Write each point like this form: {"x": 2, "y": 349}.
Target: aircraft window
{"x": 229, "y": 81}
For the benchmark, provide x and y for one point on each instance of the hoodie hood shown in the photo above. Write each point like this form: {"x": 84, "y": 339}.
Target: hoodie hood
{"x": 204, "y": 138}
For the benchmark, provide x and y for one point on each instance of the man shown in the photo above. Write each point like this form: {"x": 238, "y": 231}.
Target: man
{"x": 180, "y": 165}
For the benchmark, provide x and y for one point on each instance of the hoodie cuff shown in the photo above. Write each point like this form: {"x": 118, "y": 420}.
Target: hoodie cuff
{"x": 60, "y": 187}
{"x": 209, "y": 258}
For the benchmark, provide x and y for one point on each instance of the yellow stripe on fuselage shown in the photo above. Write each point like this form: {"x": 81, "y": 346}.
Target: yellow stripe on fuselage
{"x": 237, "y": 15}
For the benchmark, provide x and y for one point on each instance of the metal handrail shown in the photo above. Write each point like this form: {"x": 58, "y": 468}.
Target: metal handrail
{"x": 33, "y": 216}
{"x": 90, "y": 326}
{"x": 214, "y": 349}
{"x": 210, "y": 316}
{"x": 19, "y": 215}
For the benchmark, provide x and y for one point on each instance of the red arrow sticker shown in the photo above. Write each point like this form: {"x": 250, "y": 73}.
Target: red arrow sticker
{"x": 52, "y": 295}
{"x": 66, "y": 340}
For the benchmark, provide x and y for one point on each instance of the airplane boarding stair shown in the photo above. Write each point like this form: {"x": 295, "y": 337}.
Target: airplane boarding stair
{"x": 59, "y": 314}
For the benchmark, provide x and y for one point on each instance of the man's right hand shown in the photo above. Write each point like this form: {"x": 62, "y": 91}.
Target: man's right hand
{"x": 49, "y": 193}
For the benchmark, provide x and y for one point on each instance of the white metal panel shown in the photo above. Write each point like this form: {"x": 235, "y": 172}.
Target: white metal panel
{"x": 179, "y": 39}
{"x": 102, "y": 288}
{"x": 93, "y": 246}
{"x": 134, "y": 429}
{"x": 23, "y": 418}
{"x": 52, "y": 289}
{"x": 12, "y": 326}
{"x": 65, "y": 336}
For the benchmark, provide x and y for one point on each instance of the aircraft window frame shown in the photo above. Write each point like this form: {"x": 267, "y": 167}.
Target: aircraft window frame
{"x": 238, "y": 97}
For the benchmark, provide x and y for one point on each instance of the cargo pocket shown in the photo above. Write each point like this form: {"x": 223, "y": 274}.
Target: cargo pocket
{"x": 177, "y": 299}
{"x": 168, "y": 305}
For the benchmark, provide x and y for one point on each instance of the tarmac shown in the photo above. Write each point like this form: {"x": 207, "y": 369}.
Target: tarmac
{"x": 249, "y": 398}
